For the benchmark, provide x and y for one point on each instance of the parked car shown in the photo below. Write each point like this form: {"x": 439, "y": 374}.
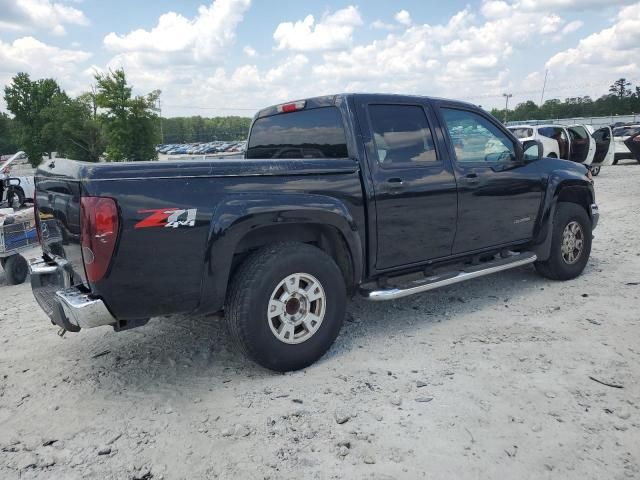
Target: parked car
{"x": 578, "y": 143}
{"x": 19, "y": 170}
{"x": 335, "y": 196}
{"x": 620, "y": 136}
{"x": 524, "y": 133}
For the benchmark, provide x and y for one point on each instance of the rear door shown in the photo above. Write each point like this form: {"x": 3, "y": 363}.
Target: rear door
{"x": 605, "y": 148}
{"x": 633, "y": 144}
{"x": 582, "y": 145}
{"x": 414, "y": 186}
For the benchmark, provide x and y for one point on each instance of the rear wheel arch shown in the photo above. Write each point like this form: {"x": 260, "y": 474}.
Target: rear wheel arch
{"x": 327, "y": 238}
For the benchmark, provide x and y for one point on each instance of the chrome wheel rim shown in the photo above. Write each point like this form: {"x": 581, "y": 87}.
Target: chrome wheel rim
{"x": 296, "y": 308}
{"x": 572, "y": 242}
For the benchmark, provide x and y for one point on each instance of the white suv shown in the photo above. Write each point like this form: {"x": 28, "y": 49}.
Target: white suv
{"x": 620, "y": 136}
{"x": 578, "y": 143}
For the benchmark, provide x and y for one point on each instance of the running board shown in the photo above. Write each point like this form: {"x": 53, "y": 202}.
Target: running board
{"x": 449, "y": 278}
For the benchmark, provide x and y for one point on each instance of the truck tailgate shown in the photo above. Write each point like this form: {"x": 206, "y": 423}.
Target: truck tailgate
{"x": 58, "y": 211}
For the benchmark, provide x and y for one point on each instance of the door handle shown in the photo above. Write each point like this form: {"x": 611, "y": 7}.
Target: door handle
{"x": 395, "y": 183}
{"x": 472, "y": 178}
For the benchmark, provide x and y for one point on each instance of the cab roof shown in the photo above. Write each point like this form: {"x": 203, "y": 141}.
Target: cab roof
{"x": 332, "y": 100}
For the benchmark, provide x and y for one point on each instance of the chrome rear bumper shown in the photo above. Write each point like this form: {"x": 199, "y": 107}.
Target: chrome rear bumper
{"x": 66, "y": 306}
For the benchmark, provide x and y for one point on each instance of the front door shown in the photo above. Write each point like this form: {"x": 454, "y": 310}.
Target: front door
{"x": 499, "y": 195}
{"x": 581, "y": 144}
{"x": 605, "y": 149}
{"x": 414, "y": 186}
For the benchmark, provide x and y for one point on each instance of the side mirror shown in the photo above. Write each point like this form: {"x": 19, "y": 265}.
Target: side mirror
{"x": 532, "y": 150}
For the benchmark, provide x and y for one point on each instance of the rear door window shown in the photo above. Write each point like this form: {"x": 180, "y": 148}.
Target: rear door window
{"x": 521, "y": 132}
{"x": 402, "y": 135}
{"x": 315, "y": 133}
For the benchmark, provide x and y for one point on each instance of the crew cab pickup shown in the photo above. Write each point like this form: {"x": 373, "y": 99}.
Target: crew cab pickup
{"x": 379, "y": 195}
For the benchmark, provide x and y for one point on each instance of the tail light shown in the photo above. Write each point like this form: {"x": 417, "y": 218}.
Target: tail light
{"x": 98, "y": 234}
{"x": 292, "y": 107}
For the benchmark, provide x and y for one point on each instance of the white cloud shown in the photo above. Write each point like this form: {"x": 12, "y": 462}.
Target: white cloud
{"x": 40, "y": 60}
{"x": 249, "y": 51}
{"x": 577, "y": 5}
{"x": 403, "y": 17}
{"x": 572, "y": 27}
{"x": 177, "y": 38}
{"x": 27, "y": 15}
{"x": 601, "y": 57}
{"x": 333, "y": 32}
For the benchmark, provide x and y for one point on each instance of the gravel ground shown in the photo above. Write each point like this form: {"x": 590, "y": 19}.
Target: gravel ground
{"x": 485, "y": 379}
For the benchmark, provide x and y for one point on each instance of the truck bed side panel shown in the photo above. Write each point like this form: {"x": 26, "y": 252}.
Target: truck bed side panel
{"x": 165, "y": 265}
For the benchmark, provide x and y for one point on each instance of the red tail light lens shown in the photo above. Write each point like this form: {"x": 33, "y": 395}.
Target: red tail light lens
{"x": 98, "y": 233}
{"x": 292, "y": 107}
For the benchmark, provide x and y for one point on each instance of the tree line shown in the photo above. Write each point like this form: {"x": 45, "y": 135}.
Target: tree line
{"x": 107, "y": 122}
{"x": 201, "y": 129}
{"x": 622, "y": 99}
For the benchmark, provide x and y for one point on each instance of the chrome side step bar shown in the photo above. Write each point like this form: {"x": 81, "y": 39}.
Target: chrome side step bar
{"x": 449, "y": 278}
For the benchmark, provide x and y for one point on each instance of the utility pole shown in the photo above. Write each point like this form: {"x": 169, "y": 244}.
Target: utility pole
{"x": 544, "y": 86}
{"x": 507, "y": 96}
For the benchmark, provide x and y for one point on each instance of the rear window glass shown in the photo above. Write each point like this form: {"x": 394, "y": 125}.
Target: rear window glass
{"x": 522, "y": 132}
{"x": 316, "y": 133}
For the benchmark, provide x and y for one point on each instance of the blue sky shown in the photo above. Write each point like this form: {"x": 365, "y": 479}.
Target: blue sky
{"x": 233, "y": 56}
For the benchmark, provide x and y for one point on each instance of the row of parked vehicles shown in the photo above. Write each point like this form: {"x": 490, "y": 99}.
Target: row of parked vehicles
{"x": 583, "y": 143}
{"x": 202, "y": 148}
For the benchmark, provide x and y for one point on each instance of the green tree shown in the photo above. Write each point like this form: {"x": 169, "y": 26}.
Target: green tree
{"x": 26, "y": 100}
{"x": 8, "y": 135}
{"x": 131, "y": 123}
{"x": 620, "y": 88}
{"x": 76, "y": 128}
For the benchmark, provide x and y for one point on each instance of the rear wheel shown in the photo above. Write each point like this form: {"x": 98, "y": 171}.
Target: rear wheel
{"x": 570, "y": 243}
{"x": 553, "y": 155}
{"x": 16, "y": 269}
{"x": 286, "y": 305}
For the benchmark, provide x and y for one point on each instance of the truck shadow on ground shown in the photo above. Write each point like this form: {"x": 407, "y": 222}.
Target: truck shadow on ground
{"x": 195, "y": 351}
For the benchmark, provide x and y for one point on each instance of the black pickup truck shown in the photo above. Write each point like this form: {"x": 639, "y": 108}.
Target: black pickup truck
{"x": 381, "y": 195}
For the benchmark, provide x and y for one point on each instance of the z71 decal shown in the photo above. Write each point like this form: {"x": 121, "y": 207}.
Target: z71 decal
{"x": 169, "y": 218}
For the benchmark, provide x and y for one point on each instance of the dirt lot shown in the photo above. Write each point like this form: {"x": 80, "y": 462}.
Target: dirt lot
{"x": 486, "y": 379}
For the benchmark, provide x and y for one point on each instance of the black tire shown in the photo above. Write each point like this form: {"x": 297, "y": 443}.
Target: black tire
{"x": 556, "y": 267}
{"x": 16, "y": 269}
{"x": 249, "y": 297}
{"x": 3, "y": 260}
{"x": 552, "y": 155}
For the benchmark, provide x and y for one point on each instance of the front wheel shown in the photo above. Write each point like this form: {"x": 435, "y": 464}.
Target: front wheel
{"x": 286, "y": 305}
{"x": 570, "y": 243}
